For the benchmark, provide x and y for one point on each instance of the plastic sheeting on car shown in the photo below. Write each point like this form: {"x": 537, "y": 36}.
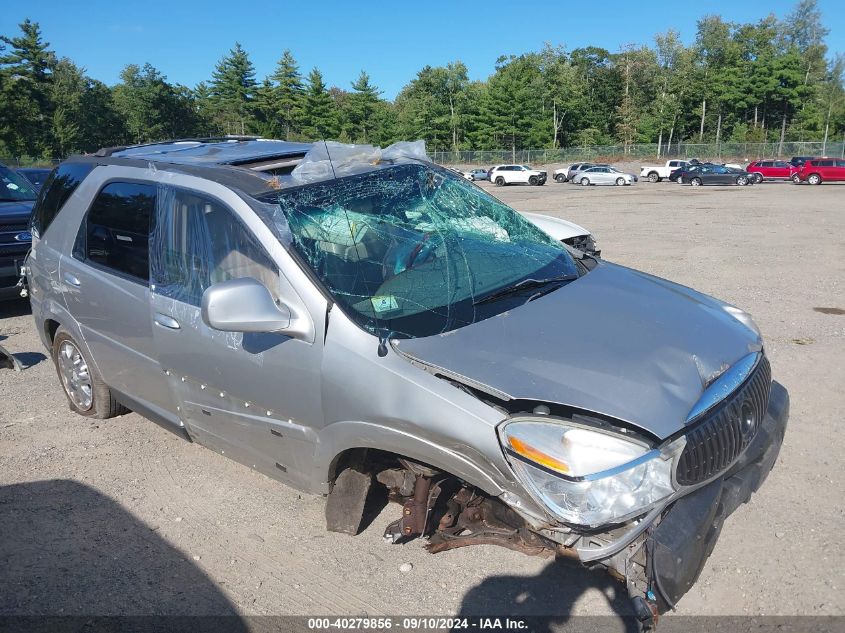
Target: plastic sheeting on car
{"x": 198, "y": 242}
{"x": 328, "y": 159}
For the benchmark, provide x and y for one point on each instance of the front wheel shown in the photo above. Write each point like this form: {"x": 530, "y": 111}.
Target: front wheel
{"x": 500, "y": 181}
{"x": 796, "y": 178}
{"x": 86, "y": 392}
{"x": 560, "y": 178}
{"x": 814, "y": 179}
{"x": 695, "y": 182}
{"x": 533, "y": 180}
{"x": 679, "y": 180}
{"x": 585, "y": 182}
{"x": 742, "y": 180}
{"x": 620, "y": 182}
{"x": 653, "y": 177}
{"x": 758, "y": 178}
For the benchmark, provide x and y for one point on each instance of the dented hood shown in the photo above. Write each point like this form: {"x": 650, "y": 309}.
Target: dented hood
{"x": 616, "y": 341}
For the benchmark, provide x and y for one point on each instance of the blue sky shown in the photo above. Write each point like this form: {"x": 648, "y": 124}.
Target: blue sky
{"x": 390, "y": 40}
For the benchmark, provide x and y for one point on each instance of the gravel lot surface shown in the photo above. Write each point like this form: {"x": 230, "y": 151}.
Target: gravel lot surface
{"x": 119, "y": 516}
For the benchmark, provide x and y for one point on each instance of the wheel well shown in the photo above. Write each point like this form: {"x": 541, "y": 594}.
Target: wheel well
{"x": 369, "y": 460}
{"x": 50, "y": 327}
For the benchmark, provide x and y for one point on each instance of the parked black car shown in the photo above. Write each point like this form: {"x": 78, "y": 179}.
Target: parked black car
{"x": 17, "y": 195}
{"x": 35, "y": 175}
{"x": 708, "y": 174}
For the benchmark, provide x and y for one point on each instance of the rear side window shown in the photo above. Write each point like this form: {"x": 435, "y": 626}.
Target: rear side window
{"x": 56, "y": 190}
{"x": 117, "y": 228}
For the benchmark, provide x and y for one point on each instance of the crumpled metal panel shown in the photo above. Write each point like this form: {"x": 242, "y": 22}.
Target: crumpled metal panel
{"x": 616, "y": 342}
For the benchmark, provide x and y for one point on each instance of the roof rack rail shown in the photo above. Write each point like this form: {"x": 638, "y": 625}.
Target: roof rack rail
{"x": 108, "y": 151}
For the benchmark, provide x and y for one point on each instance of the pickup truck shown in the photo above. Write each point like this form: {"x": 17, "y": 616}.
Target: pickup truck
{"x": 657, "y": 173}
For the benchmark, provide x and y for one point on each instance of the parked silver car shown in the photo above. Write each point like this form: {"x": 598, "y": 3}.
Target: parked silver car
{"x": 391, "y": 324}
{"x": 475, "y": 174}
{"x": 603, "y": 175}
{"x": 577, "y": 168}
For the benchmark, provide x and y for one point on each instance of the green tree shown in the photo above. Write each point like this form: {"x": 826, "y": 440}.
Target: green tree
{"x": 232, "y": 91}
{"x": 152, "y": 108}
{"x": 288, "y": 95}
{"x": 512, "y": 107}
{"x": 433, "y": 106}
{"x": 319, "y": 111}
{"x": 359, "y": 107}
{"x": 26, "y": 69}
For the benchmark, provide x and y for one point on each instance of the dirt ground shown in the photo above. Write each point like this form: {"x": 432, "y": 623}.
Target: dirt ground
{"x": 120, "y": 516}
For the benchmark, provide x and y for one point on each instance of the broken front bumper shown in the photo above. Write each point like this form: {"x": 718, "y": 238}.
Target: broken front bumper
{"x": 677, "y": 547}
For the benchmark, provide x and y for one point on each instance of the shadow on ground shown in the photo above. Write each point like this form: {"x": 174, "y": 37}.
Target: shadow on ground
{"x": 549, "y": 598}
{"x": 68, "y": 550}
{"x": 14, "y": 308}
{"x": 25, "y": 359}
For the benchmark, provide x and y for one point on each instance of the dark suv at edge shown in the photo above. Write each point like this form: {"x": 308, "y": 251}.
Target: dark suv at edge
{"x": 17, "y": 195}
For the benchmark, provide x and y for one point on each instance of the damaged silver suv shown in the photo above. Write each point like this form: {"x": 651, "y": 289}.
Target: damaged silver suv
{"x": 368, "y": 319}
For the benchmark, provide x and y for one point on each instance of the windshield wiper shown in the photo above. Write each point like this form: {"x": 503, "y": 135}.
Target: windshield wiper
{"x": 16, "y": 199}
{"x": 525, "y": 284}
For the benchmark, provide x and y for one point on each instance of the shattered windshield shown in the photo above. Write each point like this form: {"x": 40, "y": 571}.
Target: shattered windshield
{"x": 411, "y": 250}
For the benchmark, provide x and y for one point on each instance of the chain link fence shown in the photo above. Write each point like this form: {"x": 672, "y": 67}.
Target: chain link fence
{"x": 740, "y": 152}
{"x": 705, "y": 151}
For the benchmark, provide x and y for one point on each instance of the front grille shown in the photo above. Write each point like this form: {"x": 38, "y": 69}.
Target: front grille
{"x": 8, "y": 244}
{"x": 722, "y": 434}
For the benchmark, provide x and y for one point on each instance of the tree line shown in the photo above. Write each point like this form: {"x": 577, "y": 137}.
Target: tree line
{"x": 764, "y": 81}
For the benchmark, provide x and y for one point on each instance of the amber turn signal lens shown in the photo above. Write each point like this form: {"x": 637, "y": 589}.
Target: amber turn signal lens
{"x": 529, "y": 452}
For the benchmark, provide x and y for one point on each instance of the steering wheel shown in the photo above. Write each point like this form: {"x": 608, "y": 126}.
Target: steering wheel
{"x": 423, "y": 247}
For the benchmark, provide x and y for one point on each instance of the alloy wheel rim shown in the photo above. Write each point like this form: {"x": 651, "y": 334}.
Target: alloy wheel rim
{"x": 76, "y": 378}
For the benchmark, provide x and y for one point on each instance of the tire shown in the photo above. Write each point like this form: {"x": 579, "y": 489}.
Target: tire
{"x": 560, "y": 178}
{"x": 796, "y": 178}
{"x": 585, "y": 182}
{"x": 86, "y": 392}
{"x": 653, "y": 177}
{"x": 499, "y": 181}
{"x": 695, "y": 182}
{"x": 814, "y": 179}
{"x": 679, "y": 180}
{"x": 758, "y": 178}
{"x": 742, "y": 180}
{"x": 620, "y": 182}
{"x": 533, "y": 180}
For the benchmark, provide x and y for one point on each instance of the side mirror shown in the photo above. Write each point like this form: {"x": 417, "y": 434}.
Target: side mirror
{"x": 243, "y": 305}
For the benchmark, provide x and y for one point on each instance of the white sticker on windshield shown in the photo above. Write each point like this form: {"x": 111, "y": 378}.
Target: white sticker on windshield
{"x": 384, "y": 303}
{"x": 12, "y": 186}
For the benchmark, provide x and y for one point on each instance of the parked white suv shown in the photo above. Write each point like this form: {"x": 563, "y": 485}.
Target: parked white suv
{"x": 511, "y": 174}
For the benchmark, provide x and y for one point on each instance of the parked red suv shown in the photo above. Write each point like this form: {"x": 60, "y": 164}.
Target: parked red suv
{"x": 772, "y": 169}
{"x": 821, "y": 170}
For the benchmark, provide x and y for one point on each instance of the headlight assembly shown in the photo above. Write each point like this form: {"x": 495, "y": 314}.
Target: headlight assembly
{"x": 587, "y": 476}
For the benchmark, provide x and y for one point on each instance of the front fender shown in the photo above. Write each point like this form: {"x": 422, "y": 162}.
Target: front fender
{"x": 342, "y": 436}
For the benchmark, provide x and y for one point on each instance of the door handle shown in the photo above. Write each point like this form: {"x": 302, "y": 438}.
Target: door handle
{"x": 73, "y": 280}
{"x": 166, "y": 321}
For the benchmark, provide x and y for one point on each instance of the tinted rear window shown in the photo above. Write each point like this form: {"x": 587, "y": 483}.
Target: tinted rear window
{"x": 59, "y": 186}
{"x": 118, "y": 226}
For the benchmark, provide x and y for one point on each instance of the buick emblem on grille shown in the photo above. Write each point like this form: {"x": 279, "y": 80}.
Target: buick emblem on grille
{"x": 747, "y": 420}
